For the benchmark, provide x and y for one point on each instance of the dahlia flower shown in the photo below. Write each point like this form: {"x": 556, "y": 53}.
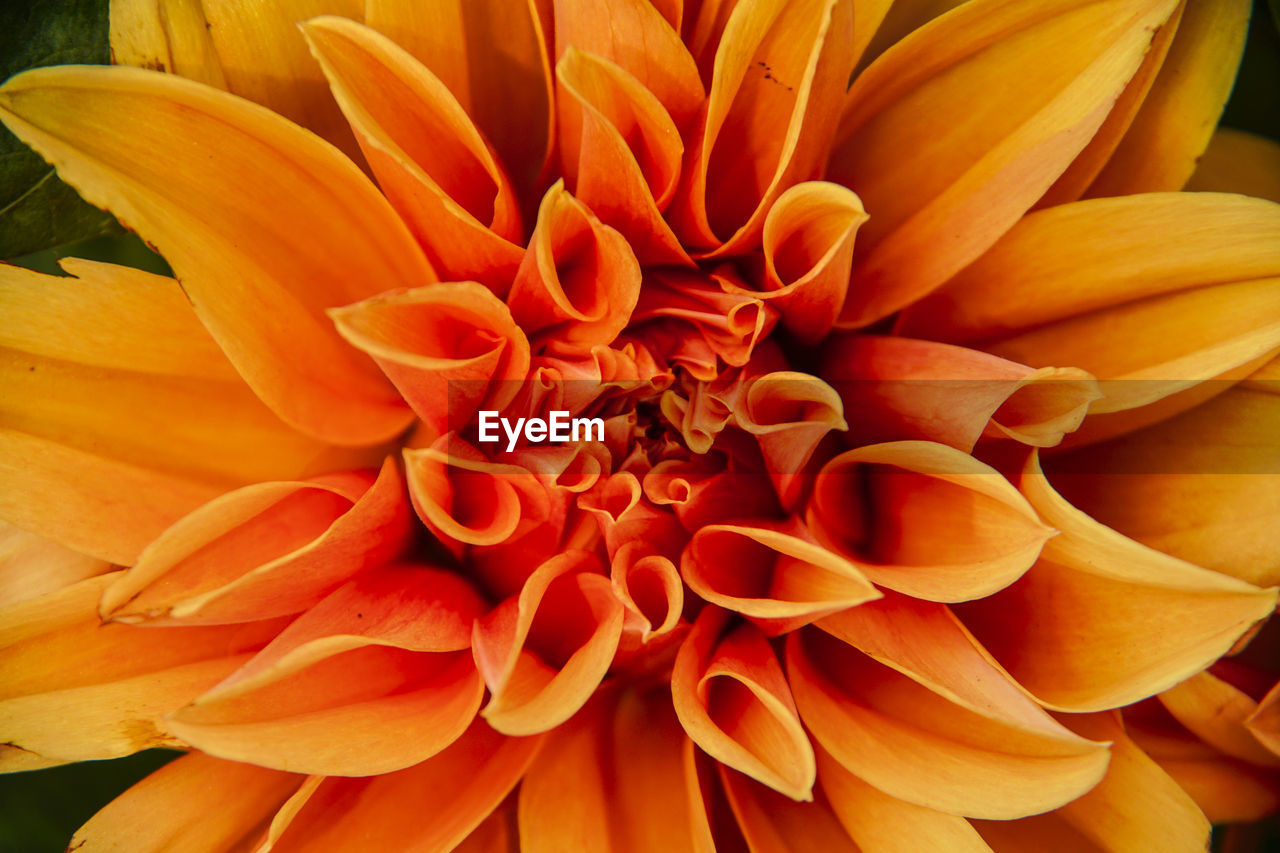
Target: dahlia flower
{"x": 916, "y": 505}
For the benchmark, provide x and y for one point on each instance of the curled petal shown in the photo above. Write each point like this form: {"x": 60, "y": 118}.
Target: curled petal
{"x": 732, "y": 698}
{"x": 769, "y": 821}
{"x": 903, "y": 388}
{"x": 544, "y": 652}
{"x": 118, "y": 412}
{"x": 171, "y": 807}
{"x": 382, "y": 658}
{"x": 808, "y": 254}
{"x": 579, "y": 278}
{"x": 925, "y": 519}
{"x": 74, "y": 689}
{"x": 626, "y": 518}
{"x": 649, "y": 587}
{"x": 619, "y": 776}
{"x": 493, "y": 56}
{"x": 621, "y": 153}
{"x": 450, "y": 349}
{"x": 777, "y": 68}
{"x": 1126, "y": 621}
{"x": 1172, "y": 129}
{"x": 1050, "y": 73}
{"x": 265, "y": 550}
{"x": 453, "y": 792}
{"x": 701, "y": 492}
{"x": 299, "y": 230}
{"x": 1150, "y": 268}
{"x": 773, "y": 574}
{"x": 996, "y": 759}
{"x": 1239, "y": 162}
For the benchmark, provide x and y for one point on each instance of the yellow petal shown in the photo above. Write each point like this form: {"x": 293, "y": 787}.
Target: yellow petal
{"x": 265, "y": 59}
{"x": 266, "y": 550}
{"x": 171, "y": 809}
{"x": 1178, "y": 116}
{"x": 1217, "y": 712}
{"x": 169, "y": 35}
{"x": 925, "y": 519}
{"x": 1125, "y": 621}
{"x": 451, "y": 793}
{"x": 429, "y": 158}
{"x": 299, "y": 230}
{"x": 118, "y": 413}
{"x": 733, "y": 700}
{"x": 1265, "y": 721}
{"x": 618, "y": 777}
{"x": 779, "y": 69}
{"x": 383, "y": 658}
{"x": 75, "y": 690}
{"x": 31, "y": 566}
{"x": 932, "y": 747}
{"x": 1049, "y": 73}
{"x": 1239, "y": 162}
{"x": 494, "y": 58}
{"x": 880, "y": 823}
{"x": 545, "y": 652}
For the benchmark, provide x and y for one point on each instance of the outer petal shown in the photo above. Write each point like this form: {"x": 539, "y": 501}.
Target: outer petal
{"x": 903, "y": 388}
{"x": 925, "y": 519}
{"x": 299, "y": 229}
{"x": 1179, "y": 114}
{"x": 431, "y": 161}
{"x": 118, "y": 413}
{"x": 1050, "y": 72}
{"x": 169, "y": 35}
{"x": 196, "y": 803}
{"x": 31, "y": 566}
{"x": 493, "y": 56}
{"x": 451, "y": 349}
{"x": 382, "y": 659}
{"x": 1126, "y": 621}
{"x": 1239, "y": 162}
{"x": 618, "y": 777}
{"x": 545, "y": 652}
{"x": 731, "y": 697}
{"x": 75, "y": 690}
{"x": 430, "y": 806}
{"x": 266, "y": 550}
{"x": 932, "y": 747}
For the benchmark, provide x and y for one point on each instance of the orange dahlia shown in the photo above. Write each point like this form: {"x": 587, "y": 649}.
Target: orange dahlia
{"x": 651, "y": 426}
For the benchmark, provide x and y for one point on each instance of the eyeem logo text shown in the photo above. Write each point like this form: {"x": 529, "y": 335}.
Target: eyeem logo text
{"x": 560, "y": 427}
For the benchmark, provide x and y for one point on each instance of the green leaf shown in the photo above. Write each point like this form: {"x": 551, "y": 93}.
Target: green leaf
{"x": 38, "y": 211}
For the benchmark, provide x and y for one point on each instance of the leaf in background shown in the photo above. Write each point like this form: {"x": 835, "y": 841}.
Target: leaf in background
{"x": 38, "y": 211}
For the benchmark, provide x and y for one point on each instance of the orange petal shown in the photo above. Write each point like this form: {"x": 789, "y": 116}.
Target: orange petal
{"x": 1239, "y": 162}
{"x": 265, "y": 550}
{"x": 774, "y": 574}
{"x": 1217, "y": 712}
{"x": 118, "y": 413}
{"x": 808, "y": 254}
{"x": 579, "y": 279}
{"x": 299, "y": 230}
{"x": 1173, "y": 128}
{"x": 649, "y": 587}
{"x": 1126, "y": 622}
{"x": 1050, "y": 71}
{"x": 74, "y": 689}
{"x": 430, "y": 160}
{"x": 1264, "y": 723}
{"x": 31, "y": 566}
{"x": 880, "y": 823}
{"x": 1201, "y": 486}
{"x": 779, "y": 69}
{"x": 771, "y": 823}
{"x": 732, "y": 698}
{"x": 903, "y": 388}
{"x": 170, "y": 35}
{"x": 450, "y": 349}
{"x": 174, "y": 808}
{"x": 927, "y": 745}
{"x": 925, "y": 519}
{"x": 493, "y": 57}
{"x": 544, "y": 652}
{"x": 616, "y": 777}
{"x": 383, "y": 659}
{"x": 264, "y": 58}
{"x": 452, "y": 792}
{"x": 620, "y": 152}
